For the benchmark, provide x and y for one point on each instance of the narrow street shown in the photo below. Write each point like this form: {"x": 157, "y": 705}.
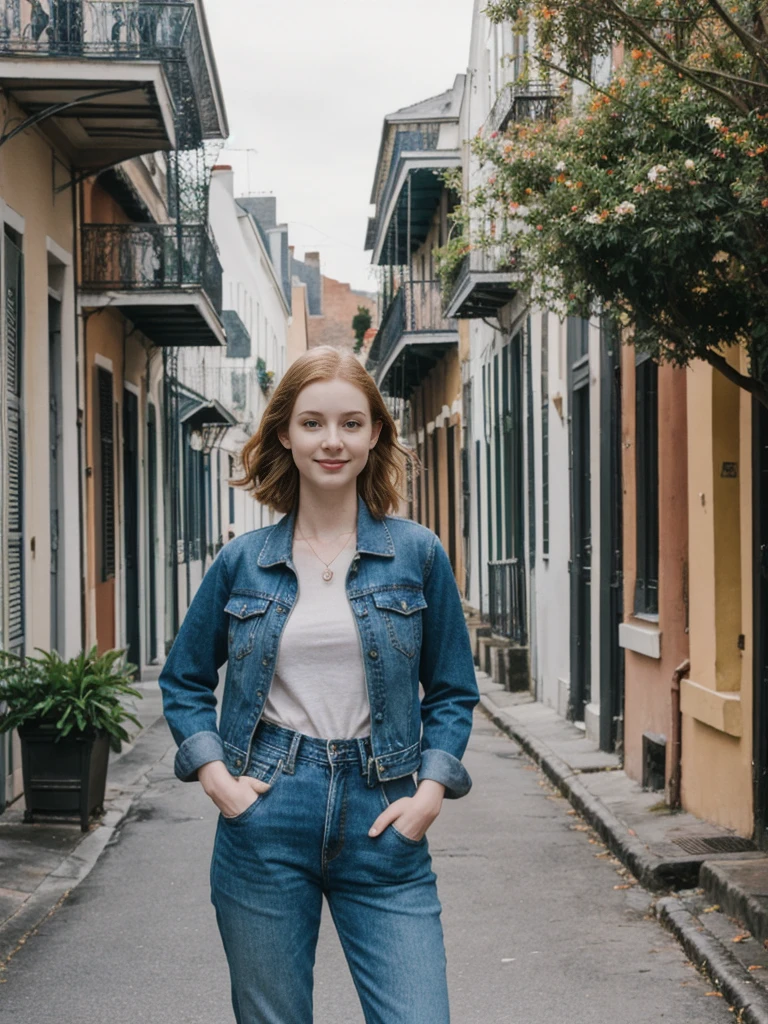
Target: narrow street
{"x": 536, "y": 930}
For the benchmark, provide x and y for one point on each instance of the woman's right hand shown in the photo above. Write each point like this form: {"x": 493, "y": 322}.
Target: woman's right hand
{"x": 232, "y": 794}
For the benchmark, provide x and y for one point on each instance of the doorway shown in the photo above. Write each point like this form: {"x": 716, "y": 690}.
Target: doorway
{"x": 131, "y": 524}
{"x": 55, "y": 463}
{"x": 581, "y": 519}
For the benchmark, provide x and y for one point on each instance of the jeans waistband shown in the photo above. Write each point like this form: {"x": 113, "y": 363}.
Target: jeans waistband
{"x": 296, "y": 746}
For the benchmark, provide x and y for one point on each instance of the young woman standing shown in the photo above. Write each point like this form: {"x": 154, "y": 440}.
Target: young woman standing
{"x": 328, "y": 620}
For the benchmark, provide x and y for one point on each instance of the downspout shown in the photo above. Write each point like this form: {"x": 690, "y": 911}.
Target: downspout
{"x": 675, "y": 775}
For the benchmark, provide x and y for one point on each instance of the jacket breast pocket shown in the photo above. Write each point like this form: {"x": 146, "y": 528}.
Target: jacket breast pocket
{"x": 400, "y": 609}
{"x": 246, "y": 618}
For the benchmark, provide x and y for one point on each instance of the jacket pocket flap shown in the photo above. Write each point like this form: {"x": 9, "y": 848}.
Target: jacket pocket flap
{"x": 405, "y": 601}
{"x": 243, "y": 606}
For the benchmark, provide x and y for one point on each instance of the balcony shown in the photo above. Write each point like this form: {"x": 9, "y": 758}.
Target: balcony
{"x": 410, "y": 194}
{"x": 414, "y": 334}
{"x": 530, "y": 101}
{"x": 166, "y": 278}
{"x": 108, "y": 81}
{"x": 484, "y": 283}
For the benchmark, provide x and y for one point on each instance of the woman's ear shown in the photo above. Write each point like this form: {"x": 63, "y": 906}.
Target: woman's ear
{"x": 282, "y": 436}
{"x": 375, "y": 431}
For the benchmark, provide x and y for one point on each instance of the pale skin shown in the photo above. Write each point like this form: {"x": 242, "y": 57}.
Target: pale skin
{"x": 330, "y": 433}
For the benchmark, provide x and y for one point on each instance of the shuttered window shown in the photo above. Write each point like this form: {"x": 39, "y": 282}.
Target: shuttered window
{"x": 14, "y": 457}
{"x": 647, "y": 479}
{"x": 107, "y": 465}
{"x": 545, "y": 434}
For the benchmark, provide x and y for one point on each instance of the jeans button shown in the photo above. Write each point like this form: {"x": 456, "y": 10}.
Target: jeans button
{"x": 373, "y": 654}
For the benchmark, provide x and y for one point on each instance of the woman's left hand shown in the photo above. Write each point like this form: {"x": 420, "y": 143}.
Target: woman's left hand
{"x": 412, "y": 814}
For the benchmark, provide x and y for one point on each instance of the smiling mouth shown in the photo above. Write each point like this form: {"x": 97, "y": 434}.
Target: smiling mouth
{"x": 332, "y": 462}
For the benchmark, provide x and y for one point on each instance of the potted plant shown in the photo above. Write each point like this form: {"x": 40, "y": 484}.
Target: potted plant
{"x": 69, "y": 715}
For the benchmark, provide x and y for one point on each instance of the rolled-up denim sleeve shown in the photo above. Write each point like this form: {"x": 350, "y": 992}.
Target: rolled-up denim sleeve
{"x": 191, "y": 673}
{"x": 447, "y": 674}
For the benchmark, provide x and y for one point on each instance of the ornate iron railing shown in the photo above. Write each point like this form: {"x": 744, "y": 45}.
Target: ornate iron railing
{"x": 416, "y": 308}
{"x": 412, "y": 139}
{"x": 506, "y": 591}
{"x": 532, "y": 101}
{"x": 120, "y": 30}
{"x": 143, "y": 257}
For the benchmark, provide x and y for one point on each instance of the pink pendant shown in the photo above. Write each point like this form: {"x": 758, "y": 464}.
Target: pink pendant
{"x": 328, "y": 575}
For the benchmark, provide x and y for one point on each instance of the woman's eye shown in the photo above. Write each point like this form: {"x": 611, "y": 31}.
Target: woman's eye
{"x": 354, "y": 423}
{"x": 310, "y": 423}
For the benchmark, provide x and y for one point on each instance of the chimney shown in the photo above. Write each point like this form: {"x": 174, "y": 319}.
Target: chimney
{"x": 312, "y": 259}
{"x": 224, "y": 174}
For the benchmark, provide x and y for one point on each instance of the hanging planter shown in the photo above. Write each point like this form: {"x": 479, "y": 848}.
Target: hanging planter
{"x": 265, "y": 376}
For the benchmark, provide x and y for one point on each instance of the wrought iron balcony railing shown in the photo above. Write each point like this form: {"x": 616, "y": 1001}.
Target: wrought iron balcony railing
{"x": 417, "y": 310}
{"x": 484, "y": 281}
{"x": 125, "y": 30}
{"x": 506, "y": 591}
{"x": 532, "y": 101}
{"x": 151, "y": 257}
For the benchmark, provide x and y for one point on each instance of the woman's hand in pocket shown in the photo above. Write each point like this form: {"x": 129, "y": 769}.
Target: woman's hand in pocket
{"x": 232, "y": 794}
{"x": 412, "y": 815}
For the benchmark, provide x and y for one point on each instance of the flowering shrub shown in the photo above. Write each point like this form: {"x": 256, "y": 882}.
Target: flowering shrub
{"x": 652, "y": 198}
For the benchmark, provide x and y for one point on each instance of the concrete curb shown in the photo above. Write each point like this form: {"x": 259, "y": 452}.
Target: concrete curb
{"x": 721, "y": 966}
{"x": 651, "y": 872}
{"x": 57, "y": 885}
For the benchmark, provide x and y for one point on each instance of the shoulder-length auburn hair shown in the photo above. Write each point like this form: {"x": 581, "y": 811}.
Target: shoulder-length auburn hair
{"x": 268, "y": 468}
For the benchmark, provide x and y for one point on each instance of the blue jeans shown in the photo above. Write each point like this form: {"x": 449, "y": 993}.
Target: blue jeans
{"x": 308, "y": 836}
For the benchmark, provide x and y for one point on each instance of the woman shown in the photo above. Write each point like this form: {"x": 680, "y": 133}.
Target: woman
{"x": 328, "y": 620}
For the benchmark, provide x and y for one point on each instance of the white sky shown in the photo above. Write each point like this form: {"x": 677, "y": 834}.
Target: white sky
{"x": 307, "y": 84}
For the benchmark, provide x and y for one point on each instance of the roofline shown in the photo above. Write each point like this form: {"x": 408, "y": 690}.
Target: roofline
{"x": 213, "y": 70}
{"x": 241, "y": 212}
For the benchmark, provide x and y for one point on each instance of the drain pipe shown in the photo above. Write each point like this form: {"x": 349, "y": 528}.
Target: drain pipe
{"x": 680, "y": 672}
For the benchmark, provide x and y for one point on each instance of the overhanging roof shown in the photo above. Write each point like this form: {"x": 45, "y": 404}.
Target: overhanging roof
{"x": 209, "y": 413}
{"x": 98, "y": 112}
{"x": 169, "y": 317}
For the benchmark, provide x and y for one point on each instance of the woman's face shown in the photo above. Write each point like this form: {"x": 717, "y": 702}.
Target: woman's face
{"x": 330, "y": 433}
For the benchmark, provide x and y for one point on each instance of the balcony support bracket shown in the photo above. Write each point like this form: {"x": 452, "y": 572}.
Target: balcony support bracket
{"x": 57, "y": 108}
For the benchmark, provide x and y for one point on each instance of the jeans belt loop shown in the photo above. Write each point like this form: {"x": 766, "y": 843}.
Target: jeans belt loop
{"x": 290, "y": 761}
{"x": 372, "y": 775}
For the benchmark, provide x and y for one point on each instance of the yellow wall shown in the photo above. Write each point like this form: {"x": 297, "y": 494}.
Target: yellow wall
{"x": 717, "y": 699}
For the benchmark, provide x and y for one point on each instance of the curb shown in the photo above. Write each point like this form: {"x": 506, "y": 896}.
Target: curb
{"x": 721, "y": 966}
{"x": 56, "y": 886}
{"x": 652, "y": 873}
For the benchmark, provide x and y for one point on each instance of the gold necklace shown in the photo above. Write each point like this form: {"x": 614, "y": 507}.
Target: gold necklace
{"x": 327, "y": 573}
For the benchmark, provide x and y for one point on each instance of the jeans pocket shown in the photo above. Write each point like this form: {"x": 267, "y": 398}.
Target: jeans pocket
{"x": 394, "y": 789}
{"x": 267, "y": 773}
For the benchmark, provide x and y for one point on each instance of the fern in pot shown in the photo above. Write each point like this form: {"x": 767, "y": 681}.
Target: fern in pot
{"x": 68, "y": 714}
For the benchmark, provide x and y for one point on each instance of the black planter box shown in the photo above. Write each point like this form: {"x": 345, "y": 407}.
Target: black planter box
{"x": 63, "y": 778}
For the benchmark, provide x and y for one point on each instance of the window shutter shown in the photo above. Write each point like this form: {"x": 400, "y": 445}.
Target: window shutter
{"x": 107, "y": 449}
{"x": 14, "y": 456}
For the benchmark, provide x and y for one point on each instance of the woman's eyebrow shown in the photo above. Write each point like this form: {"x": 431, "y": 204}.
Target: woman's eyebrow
{"x": 314, "y": 412}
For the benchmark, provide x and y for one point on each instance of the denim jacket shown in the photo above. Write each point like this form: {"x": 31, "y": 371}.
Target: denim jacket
{"x": 411, "y": 628}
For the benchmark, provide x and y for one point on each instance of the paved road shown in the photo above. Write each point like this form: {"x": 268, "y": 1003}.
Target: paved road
{"x": 535, "y": 930}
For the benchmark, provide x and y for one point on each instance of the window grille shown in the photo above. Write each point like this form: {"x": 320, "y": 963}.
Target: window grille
{"x": 647, "y": 477}
{"x": 107, "y": 454}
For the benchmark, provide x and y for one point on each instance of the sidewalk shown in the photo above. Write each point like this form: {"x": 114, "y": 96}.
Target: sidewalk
{"x": 719, "y": 880}
{"x": 41, "y": 863}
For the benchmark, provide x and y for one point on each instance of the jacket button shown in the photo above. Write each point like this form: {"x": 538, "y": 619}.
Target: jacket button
{"x": 244, "y": 609}
{"x": 280, "y": 610}
{"x": 265, "y": 661}
{"x": 238, "y": 763}
{"x": 382, "y": 768}
{"x": 403, "y": 605}
{"x": 373, "y": 654}
{"x": 259, "y": 693}
{"x": 379, "y": 717}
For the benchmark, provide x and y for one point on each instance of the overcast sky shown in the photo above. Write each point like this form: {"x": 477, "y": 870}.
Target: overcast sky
{"x": 307, "y": 85}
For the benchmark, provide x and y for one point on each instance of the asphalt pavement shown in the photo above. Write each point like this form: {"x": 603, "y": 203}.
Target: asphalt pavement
{"x": 542, "y": 925}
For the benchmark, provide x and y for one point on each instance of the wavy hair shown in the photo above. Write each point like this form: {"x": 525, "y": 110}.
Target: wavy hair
{"x": 269, "y": 471}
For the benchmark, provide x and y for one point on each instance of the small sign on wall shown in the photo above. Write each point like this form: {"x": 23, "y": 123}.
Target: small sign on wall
{"x": 730, "y": 469}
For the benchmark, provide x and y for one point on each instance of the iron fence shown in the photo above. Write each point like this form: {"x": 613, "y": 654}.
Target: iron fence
{"x": 141, "y": 257}
{"x": 506, "y": 591}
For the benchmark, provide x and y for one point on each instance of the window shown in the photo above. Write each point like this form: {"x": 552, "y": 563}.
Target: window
{"x": 545, "y": 434}
{"x": 647, "y": 478}
{"x": 107, "y": 467}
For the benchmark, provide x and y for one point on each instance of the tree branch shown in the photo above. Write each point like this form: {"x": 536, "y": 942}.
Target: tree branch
{"x": 750, "y": 42}
{"x": 753, "y": 386}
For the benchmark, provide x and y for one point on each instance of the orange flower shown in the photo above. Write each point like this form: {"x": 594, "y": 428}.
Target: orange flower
{"x": 637, "y": 54}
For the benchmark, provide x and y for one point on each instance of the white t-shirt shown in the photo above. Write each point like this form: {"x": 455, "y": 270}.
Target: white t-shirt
{"x": 319, "y": 684}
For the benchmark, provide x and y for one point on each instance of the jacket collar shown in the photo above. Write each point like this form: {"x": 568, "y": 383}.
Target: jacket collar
{"x": 373, "y": 537}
